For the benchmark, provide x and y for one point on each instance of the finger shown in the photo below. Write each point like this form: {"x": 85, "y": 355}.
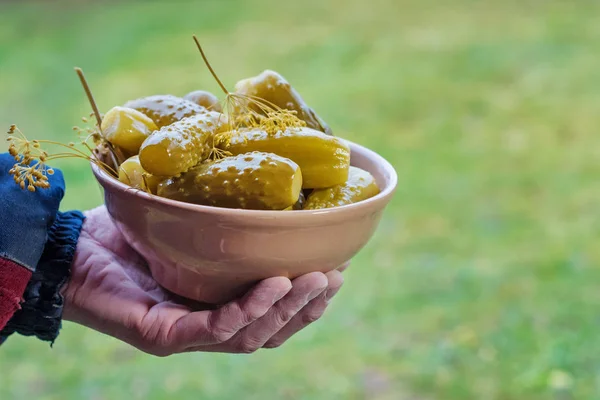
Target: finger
{"x": 218, "y": 326}
{"x": 304, "y": 289}
{"x": 344, "y": 266}
{"x": 310, "y": 313}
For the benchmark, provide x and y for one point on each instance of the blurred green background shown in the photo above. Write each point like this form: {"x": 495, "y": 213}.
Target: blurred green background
{"x": 483, "y": 279}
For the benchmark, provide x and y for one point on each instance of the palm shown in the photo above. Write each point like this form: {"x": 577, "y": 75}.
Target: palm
{"x": 112, "y": 291}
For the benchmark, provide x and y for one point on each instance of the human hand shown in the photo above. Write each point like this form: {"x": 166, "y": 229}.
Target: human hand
{"x": 112, "y": 291}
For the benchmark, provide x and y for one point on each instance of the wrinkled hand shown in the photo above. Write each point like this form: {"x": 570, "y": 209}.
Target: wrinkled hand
{"x": 111, "y": 291}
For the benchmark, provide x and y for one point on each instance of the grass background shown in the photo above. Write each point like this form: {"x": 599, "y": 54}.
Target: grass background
{"x": 483, "y": 279}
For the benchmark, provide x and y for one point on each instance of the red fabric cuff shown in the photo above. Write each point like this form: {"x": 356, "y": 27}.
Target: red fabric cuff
{"x": 13, "y": 281}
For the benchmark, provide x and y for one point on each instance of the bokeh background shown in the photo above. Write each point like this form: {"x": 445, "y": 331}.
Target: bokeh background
{"x": 483, "y": 281}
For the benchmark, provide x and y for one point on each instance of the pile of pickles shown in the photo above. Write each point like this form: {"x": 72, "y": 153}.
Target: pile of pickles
{"x": 189, "y": 149}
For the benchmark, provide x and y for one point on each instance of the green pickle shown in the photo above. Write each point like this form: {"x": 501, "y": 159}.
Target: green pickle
{"x": 127, "y": 128}
{"x": 273, "y": 87}
{"x": 324, "y": 160}
{"x": 178, "y": 147}
{"x": 256, "y": 180}
{"x": 360, "y": 186}
{"x": 186, "y": 149}
{"x": 165, "y": 109}
{"x": 131, "y": 173}
{"x": 204, "y": 99}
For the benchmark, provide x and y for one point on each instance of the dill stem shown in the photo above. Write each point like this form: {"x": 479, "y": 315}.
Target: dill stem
{"x": 210, "y": 68}
{"x": 89, "y": 95}
{"x": 65, "y": 146}
{"x": 268, "y": 106}
{"x": 91, "y": 159}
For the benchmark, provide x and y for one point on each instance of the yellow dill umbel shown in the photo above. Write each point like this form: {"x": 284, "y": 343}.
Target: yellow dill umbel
{"x": 255, "y": 113}
{"x": 250, "y": 112}
{"x": 30, "y": 170}
{"x": 25, "y": 172}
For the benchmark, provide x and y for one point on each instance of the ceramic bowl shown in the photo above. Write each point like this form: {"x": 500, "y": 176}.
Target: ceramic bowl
{"x": 213, "y": 255}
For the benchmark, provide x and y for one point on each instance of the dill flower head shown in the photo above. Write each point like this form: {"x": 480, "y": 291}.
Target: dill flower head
{"x": 31, "y": 170}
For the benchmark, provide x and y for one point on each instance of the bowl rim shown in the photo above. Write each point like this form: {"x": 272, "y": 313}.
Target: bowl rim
{"x": 105, "y": 179}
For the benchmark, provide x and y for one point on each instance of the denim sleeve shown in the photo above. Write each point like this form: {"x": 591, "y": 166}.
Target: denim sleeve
{"x": 36, "y": 236}
{"x": 41, "y": 311}
{"x": 25, "y": 217}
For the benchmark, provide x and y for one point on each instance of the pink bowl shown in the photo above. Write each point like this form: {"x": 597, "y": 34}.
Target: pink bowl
{"x": 213, "y": 255}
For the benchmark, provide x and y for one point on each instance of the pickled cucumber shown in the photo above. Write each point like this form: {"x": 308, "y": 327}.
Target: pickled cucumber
{"x": 176, "y": 148}
{"x": 324, "y": 160}
{"x": 204, "y": 99}
{"x": 131, "y": 173}
{"x": 255, "y": 180}
{"x": 273, "y": 87}
{"x": 127, "y": 128}
{"x": 360, "y": 186}
{"x": 165, "y": 109}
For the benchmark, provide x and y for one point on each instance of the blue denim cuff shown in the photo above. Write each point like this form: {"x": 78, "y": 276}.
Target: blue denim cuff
{"x": 41, "y": 312}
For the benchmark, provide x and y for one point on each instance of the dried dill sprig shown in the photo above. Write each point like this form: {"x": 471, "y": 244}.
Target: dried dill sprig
{"x": 31, "y": 170}
{"x": 246, "y": 112}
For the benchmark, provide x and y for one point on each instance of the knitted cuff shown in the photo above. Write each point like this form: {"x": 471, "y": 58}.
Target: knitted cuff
{"x": 41, "y": 312}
